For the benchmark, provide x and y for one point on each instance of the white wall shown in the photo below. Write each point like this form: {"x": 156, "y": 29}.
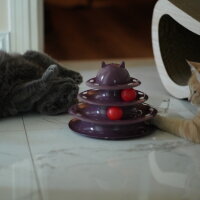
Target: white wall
{"x": 21, "y": 25}
{"x": 4, "y": 16}
{"x": 26, "y": 27}
{"x": 4, "y": 25}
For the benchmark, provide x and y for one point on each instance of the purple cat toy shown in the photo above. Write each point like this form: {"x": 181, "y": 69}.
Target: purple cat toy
{"x": 104, "y": 113}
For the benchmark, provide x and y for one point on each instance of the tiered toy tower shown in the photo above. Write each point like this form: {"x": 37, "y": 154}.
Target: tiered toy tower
{"x": 113, "y": 110}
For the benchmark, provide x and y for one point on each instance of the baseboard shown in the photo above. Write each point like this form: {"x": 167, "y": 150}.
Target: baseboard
{"x": 5, "y": 41}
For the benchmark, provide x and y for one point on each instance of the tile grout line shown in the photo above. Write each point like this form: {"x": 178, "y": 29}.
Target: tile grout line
{"x": 34, "y": 166}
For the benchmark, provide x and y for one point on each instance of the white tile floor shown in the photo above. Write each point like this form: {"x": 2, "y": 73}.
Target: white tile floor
{"x": 41, "y": 159}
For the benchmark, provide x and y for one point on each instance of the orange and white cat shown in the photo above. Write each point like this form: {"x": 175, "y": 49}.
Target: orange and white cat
{"x": 186, "y": 128}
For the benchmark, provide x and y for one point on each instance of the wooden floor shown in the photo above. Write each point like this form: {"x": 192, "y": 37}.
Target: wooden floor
{"x": 96, "y": 33}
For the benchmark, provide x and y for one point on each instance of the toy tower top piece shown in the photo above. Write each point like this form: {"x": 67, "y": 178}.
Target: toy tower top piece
{"x": 112, "y": 76}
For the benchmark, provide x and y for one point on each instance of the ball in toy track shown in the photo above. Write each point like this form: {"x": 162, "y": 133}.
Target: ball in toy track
{"x": 114, "y": 113}
{"x": 128, "y": 94}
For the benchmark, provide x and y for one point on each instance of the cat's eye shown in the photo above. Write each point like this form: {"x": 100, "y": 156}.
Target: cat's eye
{"x": 196, "y": 93}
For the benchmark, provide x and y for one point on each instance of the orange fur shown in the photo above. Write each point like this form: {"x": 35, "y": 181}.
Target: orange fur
{"x": 188, "y": 129}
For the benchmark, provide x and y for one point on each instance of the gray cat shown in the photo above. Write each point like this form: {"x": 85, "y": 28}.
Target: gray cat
{"x": 34, "y": 81}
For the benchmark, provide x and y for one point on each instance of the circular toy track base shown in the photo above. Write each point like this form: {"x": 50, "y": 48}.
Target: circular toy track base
{"x": 110, "y": 132}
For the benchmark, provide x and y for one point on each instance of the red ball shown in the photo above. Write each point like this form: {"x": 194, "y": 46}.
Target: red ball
{"x": 128, "y": 94}
{"x": 114, "y": 113}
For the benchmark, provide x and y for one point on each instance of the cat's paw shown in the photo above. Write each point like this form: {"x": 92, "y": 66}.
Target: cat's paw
{"x": 77, "y": 77}
{"x": 156, "y": 120}
{"x": 50, "y": 73}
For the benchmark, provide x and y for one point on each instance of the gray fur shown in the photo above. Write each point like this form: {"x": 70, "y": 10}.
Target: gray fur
{"x": 34, "y": 81}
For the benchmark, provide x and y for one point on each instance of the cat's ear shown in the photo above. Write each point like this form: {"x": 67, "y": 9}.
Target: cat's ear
{"x": 122, "y": 65}
{"x": 195, "y": 68}
{"x": 103, "y": 64}
{"x": 194, "y": 65}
